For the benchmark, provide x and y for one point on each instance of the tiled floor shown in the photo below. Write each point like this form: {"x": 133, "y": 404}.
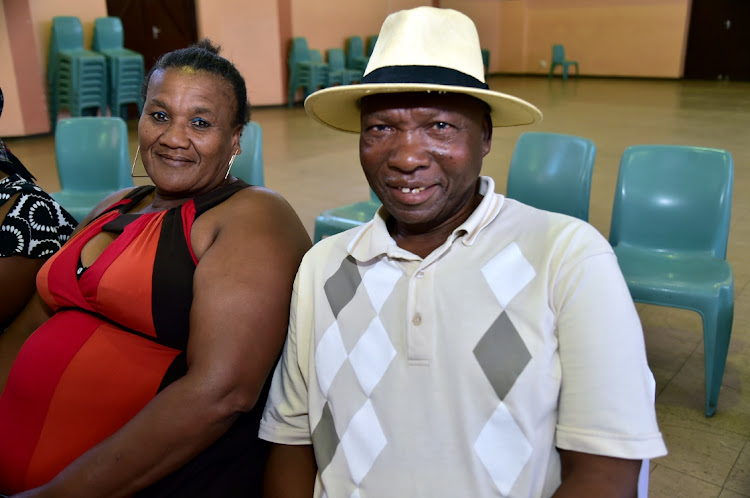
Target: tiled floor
{"x": 316, "y": 168}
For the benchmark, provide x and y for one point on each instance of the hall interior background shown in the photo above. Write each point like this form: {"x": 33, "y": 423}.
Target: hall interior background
{"x": 632, "y": 92}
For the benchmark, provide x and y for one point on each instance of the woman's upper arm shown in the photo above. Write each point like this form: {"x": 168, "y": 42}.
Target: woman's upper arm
{"x": 585, "y": 474}
{"x": 241, "y": 292}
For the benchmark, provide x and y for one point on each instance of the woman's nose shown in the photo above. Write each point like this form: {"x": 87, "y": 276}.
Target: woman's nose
{"x": 175, "y": 136}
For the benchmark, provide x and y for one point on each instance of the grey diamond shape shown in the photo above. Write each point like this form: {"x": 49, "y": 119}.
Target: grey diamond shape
{"x": 502, "y": 355}
{"x": 325, "y": 439}
{"x": 342, "y": 285}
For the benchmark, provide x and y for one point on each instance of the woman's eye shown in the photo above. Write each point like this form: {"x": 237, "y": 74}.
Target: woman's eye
{"x": 159, "y": 116}
{"x": 201, "y": 123}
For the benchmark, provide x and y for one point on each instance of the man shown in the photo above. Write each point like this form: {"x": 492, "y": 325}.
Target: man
{"x": 460, "y": 344}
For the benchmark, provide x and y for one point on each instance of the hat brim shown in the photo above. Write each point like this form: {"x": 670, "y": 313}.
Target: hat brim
{"x": 338, "y": 106}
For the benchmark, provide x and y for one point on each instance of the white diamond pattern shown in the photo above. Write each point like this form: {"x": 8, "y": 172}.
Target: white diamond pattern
{"x": 379, "y": 282}
{"x": 329, "y": 356}
{"x": 362, "y": 442}
{"x": 355, "y": 494}
{"x": 372, "y": 355}
{"x": 507, "y": 273}
{"x": 503, "y": 449}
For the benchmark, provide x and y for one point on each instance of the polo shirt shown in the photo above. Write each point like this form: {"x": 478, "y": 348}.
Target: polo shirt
{"x": 461, "y": 373}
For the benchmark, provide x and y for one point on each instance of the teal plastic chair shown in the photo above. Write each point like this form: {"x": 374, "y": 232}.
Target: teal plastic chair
{"x": 670, "y": 228}
{"x": 304, "y": 72}
{"x": 248, "y": 166}
{"x": 486, "y": 60}
{"x": 93, "y": 161}
{"x": 338, "y": 74}
{"x": 371, "y": 41}
{"x": 552, "y": 171}
{"x": 76, "y": 77}
{"x": 343, "y": 218}
{"x": 558, "y": 59}
{"x": 125, "y": 68}
{"x": 355, "y": 58}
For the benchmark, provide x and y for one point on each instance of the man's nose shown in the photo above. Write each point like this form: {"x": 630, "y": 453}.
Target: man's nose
{"x": 410, "y": 152}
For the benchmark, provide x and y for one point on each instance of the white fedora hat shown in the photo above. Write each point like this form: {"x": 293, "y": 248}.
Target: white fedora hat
{"x": 425, "y": 49}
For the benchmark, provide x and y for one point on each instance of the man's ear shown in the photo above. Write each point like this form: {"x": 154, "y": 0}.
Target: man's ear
{"x": 486, "y": 134}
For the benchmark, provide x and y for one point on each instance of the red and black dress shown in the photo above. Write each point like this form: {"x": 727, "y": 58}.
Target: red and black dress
{"x": 118, "y": 336}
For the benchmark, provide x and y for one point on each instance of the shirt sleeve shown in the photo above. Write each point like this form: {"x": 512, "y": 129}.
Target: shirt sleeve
{"x": 285, "y": 418}
{"x": 606, "y": 404}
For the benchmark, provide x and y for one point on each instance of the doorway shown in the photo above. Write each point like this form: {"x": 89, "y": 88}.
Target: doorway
{"x": 154, "y": 27}
{"x": 718, "y": 45}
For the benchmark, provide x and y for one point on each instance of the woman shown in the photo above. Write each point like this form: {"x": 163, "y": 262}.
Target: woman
{"x": 32, "y": 228}
{"x": 157, "y": 324}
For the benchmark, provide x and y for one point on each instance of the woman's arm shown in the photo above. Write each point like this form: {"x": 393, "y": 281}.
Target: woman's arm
{"x": 594, "y": 475}
{"x": 290, "y": 472}
{"x": 249, "y": 249}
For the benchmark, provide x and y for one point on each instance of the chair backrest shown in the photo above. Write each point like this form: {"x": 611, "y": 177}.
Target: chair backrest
{"x": 108, "y": 34}
{"x": 354, "y": 48}
{"x": 336, "y": 59}
{"x": 552, "y": 171}
{"x": 316, "y": 55}
{"x": 298, "y": 52}
{"x": 371, "y": 41}
{"x": 248, "y": 166}
{"x": 92, "y": 154}
{"x": 67, "y": 33}
{"x": 558, "y": 53}
{"x": 673, "y": 198}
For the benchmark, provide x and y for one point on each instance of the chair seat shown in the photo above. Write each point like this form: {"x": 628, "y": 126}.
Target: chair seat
{"x": 79, "y": 204}
{"x": 668, "y": 277}
{"x": 343, "y": 218}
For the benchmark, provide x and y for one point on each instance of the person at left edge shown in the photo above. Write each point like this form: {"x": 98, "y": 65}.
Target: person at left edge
{"x": 32, "y": 228}
{"x": 155, "y": 326}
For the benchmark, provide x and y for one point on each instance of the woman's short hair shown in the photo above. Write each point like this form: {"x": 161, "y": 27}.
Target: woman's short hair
{"x": 204, "y": 56}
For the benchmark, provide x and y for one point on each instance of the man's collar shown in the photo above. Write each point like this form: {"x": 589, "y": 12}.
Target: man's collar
{"x": 373, "y": 240}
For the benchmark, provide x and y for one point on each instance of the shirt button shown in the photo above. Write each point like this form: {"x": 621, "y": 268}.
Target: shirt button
{"x": 417, "y": 320}
{"x": 420, "y": 274}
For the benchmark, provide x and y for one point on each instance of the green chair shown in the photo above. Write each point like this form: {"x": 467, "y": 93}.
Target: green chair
{"x": 552, "y": 171}
{"x": 304, "y": 72}
{"x": 248, "y": 166}
{"x": 355, "y": 58}
{"x": 76, "y": 78}
{"x": 343, "y": 218}
{"x": 558, "y": 59}
{"x": 338, "y": 74}
{"x": 486, "y": 60}
{"x": 371, "y": 41}
{"x": 670, "y": 227}
{"x": 93, "y": 161}
{"x": 125, "y": 67}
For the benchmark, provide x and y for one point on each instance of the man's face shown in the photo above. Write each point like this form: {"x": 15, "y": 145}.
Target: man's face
{"x": 422, "y": 154}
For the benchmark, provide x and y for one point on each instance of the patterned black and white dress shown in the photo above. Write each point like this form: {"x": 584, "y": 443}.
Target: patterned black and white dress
{"x": 35, "y": 226}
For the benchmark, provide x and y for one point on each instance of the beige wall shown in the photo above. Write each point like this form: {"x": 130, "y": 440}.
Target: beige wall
{"x": 249, "y": 35}
{"x": 12, "y": 120}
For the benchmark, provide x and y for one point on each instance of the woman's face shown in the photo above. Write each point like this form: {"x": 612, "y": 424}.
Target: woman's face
{"x": 186, "y": 132}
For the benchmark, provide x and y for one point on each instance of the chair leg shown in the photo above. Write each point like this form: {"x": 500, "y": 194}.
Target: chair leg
{"x": 717, "y": 329}
{"x": 564, "y": 72}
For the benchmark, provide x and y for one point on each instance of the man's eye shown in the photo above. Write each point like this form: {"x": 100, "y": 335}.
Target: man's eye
{"x": 159, "y": 116}
{"x": 442, "y": 125}
{"x": 201, "y": 123}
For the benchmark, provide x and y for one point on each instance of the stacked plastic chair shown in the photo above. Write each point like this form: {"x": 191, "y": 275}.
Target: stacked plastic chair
{"x": 304, "y": 72}
{"x": 248, "y": 166}
{"x": 371, "y": 41}
{"x": 93, "y": 161}
{"x": 343, "y": 218}
{"x": 355, "y": 58}
{"x": 338, "y": 73}
{"x": 125, "y": 68}
{"x": 77, "y": 78}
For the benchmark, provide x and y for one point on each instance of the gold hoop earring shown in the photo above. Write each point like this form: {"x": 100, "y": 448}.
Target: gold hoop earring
{"x": 231, "y": 162}
{"x": 135, "y": 160}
